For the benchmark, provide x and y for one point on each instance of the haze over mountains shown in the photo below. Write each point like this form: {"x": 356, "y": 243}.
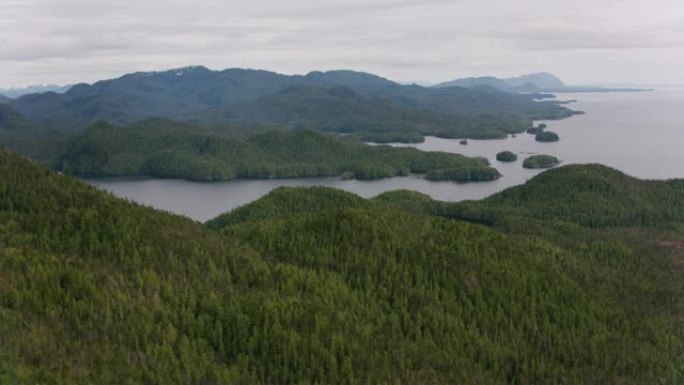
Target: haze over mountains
{"x": 16, "y": 92}
{"x": 187, "y": 93}
{"x": 536, "y": 82}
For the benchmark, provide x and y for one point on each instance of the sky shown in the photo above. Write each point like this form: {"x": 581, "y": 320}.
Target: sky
{"x": 581, "y": 41}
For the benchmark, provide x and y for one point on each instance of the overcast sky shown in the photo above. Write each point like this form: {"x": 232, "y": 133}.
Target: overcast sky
{"x": 582, "y": 41}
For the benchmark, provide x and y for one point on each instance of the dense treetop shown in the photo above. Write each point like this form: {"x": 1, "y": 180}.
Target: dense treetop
{"x": 541, "y": 161}
{"x": 506, "y": 156}
{"x": 165, "y": 149}
{"x": 320, "y": 286}
{"x": 546, "y": 136}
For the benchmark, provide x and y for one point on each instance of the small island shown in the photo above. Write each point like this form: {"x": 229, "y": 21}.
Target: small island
{"x": 506, "y": 156}
{"x": 546, "y": 136}
{"x": 463, "y": 142}
{"x": 536, "y": 130}
{"x": 541, "y": 161}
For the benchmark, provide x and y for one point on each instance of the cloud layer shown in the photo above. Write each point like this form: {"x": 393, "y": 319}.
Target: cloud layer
{"x": 67, "y": 41}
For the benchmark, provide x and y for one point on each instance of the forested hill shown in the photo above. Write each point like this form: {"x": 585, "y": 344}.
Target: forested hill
{"x": 592, "y": 196}
{"x": 94, "y": 289}
{"x": 197, "y": 93}
{"x": 165, "y": 149}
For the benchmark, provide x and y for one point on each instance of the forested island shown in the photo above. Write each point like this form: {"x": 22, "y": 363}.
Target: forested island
{"x": 541, "y": 161}
{"x": 574, "y": 277}
{"x": 546, "y": 136}
{"x": 161, "y": 148}
{"x": 506, "y": 156}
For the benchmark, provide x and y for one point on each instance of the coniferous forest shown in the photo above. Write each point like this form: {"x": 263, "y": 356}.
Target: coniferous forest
{"x": 573, "y": 278}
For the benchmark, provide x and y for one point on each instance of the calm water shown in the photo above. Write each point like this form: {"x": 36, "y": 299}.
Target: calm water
{"x": 641, "y": 134}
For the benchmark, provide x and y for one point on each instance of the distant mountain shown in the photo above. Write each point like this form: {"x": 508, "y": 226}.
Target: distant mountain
{"x": 537, "y": 82}
{"x": 358, "y": 80}
{"x": 175, "y": 94}
{"x": 16, "y": 92}
{"x": 4, "y": 99}
{"x": 351, "y": 101}
{"x": 541, "y": 81}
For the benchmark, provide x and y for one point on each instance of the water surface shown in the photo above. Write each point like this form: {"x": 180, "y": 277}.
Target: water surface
{"x": 641, "y": 134}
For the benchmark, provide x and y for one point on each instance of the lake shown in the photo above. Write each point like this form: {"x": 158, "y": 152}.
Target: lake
{"x": 640, "y": 133}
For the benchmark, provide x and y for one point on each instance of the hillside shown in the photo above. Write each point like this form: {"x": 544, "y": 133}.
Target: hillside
{"x": 593, "y": 196}
{"x": 376, "y": 116}
{"x": 97, "y": 290}
{"x": 18, "y": 134}
{"x": 165, "y": 149}
{"x": 11, "y": 119}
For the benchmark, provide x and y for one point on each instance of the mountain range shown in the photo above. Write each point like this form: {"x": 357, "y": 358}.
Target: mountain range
{"x": 197, "y": 94}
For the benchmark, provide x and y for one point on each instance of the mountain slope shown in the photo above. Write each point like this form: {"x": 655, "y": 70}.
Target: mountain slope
{"x": 97, "y": 290}
{"x": 11, "y": 120}
{"x": 536, "y": 82}
{"x": 390, "y": 111}
{"x": 592, "y": 196}
{"x": 172, "y": 93}
{"x": 181, "y": 94}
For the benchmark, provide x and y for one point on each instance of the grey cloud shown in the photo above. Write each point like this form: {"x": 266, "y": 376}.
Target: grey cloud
{"x": 572, "y": 37}
{"x": 65, "y": 41}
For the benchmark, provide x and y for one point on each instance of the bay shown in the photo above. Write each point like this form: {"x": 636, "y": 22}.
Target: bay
{"x": 641, "y": 134}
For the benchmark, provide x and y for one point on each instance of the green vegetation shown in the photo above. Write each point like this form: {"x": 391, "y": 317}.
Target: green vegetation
{"x": 164, "y": 149}
{"x": 463, "y": 174}
{"x": 599, "y": 197}
{"x": 541, "y": 161}
{"x": 383, "y": 114}
{"x": 506, "y": 156}
{"x": 388, "y": 137}
{"x": 546, "y": 136}
{"x": 19, "y": 134}
{"x": 319, "y": 286}
{"x": 11, "y": 119}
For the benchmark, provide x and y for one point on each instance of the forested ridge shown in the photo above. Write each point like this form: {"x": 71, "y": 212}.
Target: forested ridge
{"x": 320, "y": 286}
{"x": 162, "y": 148}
